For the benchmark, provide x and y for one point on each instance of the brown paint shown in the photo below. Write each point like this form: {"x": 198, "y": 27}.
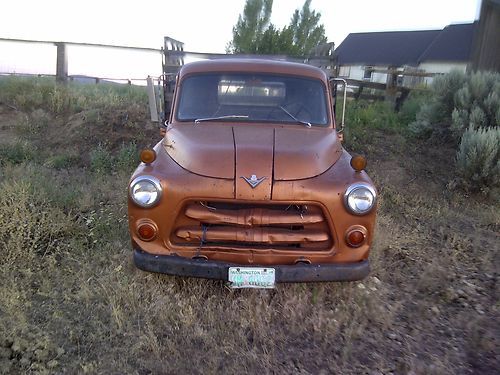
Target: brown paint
{"x": 295, "y": 214}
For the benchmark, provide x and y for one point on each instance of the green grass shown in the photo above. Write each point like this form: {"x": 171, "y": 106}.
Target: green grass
{"x": 125, "y": 159}
{"x": 364, "y": 118}
{"x": 30, "y": 94}
{"x": 16, "y": 153}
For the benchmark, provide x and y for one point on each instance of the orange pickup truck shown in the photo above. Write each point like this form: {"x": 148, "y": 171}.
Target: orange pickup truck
{"x": 250, "y": 183}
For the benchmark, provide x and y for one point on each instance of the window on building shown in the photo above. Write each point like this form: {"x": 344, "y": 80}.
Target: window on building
{"x": 368, "y": 73}
{"x": 344, "y": 71}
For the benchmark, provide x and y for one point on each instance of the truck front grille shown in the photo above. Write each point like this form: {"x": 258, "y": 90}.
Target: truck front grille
{"x": 258, "y": 226}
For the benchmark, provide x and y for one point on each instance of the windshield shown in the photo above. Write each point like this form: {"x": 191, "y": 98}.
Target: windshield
{"x": 252, "y": 97}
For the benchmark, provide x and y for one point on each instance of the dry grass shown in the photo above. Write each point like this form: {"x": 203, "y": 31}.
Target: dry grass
{"x": 71, "y": 300}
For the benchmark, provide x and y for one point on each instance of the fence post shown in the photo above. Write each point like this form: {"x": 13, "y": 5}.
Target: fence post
{"x": 391, "y": 90}
{"x": 62, "y": 63}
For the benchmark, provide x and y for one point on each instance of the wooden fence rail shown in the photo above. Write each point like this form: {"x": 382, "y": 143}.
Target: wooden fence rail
{"x": 389, "y": 91}
{"x": 357, "y": 89}
{"x": 62, "y": 56}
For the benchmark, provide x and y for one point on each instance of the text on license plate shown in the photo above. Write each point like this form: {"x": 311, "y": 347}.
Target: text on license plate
{"x": 251, "y": 277}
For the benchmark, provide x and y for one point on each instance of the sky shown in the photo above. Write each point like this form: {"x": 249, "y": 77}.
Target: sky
{"x": 203, "y": 26}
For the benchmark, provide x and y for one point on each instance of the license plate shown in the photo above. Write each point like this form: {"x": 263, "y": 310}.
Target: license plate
{"x": 251, "y": 277}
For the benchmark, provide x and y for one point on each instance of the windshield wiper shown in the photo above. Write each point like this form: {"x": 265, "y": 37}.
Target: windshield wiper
{"x": 230, "y": 117}
{"x": 308, "y": 124}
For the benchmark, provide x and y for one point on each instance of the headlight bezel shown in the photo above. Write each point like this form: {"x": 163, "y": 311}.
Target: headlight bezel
{"x": 153, "y": 181}
{"x": 357, "y": 186}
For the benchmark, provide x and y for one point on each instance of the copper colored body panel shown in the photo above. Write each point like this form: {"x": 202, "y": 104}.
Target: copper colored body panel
{"x": 201, "y": 149}
{"x": 181, "y": 186}
{"x": 270, "y": 236}
{"x": 295, "y": 214}
{"x": 251, "y": 217}
{"x": 254, "y": 157}
{"x": 310, "y": 151}
{"x": 221, "y": 150}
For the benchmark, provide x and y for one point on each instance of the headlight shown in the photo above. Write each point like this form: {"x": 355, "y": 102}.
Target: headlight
{"x": 145, "y": 191}
{"x": 360, "y": 198}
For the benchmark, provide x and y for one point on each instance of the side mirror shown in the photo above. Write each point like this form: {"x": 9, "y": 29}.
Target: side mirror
{"x": 343, "y": 82}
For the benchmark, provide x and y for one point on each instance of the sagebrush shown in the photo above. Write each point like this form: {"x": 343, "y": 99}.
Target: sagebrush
{"x": 464, "y": 110}
{"x": 478, "y": 158}
{"x": 459, "y": 101}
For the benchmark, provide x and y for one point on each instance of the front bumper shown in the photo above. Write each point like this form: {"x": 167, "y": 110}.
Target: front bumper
{"x": 180, "y": 266}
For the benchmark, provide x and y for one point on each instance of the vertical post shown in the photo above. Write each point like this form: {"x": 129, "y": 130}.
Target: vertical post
{"x": 153, "y": 108}
{"x": 391, "y": 90}
{"x": 62, "y": 63}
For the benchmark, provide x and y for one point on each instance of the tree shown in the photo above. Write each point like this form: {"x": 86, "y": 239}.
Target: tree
{"x": 306, "y": 32}
{"x": 255, "y": 34}
{"x": 250, "y": 28}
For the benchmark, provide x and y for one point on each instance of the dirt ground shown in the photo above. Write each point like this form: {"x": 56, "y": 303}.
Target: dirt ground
{"x": 71, "y": 300}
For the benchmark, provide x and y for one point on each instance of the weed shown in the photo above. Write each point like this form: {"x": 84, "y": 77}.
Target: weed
{"x": 63, "y": 161}
{"x": 30, "y": 94}
{"x": 31, "y": 227}
{"x": 363, "y": 117}
{"x": 127, "y": 158}
{"x": 16, "y": 153}
{"x": 101, "y": 160}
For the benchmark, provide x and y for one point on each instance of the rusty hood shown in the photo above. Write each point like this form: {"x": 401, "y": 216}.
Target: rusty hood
{"x": 275, "y": 153}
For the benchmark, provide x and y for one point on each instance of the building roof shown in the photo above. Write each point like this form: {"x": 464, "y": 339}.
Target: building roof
{"x": 398, "y": 48}
{"x": 453, "y": 43}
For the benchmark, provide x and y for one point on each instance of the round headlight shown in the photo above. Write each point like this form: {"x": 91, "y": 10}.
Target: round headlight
{"x": 145, "y": 191}
{"x": 360, "y": 198}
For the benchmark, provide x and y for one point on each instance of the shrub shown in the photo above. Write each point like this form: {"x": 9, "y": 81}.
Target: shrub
{"x": 425, "y": 122}
{"x": 445, "y": 88}
{"x": 478, "y": 159}
{"x": 434, "y": 116}
{"x": 459, "y": 101}
{"x": 412, "y": 105}
{"x": 477, "y": 104}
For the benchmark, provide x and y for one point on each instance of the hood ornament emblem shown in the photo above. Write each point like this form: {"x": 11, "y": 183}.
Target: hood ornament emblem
{"x": 253, "y": 181}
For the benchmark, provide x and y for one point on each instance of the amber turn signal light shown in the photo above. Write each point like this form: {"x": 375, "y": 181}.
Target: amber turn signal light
{"x": 355, "y": 237}
{"x": 146, "y": 231}
{"x": 358, "y": 163}
{"x": 148, "y": 155}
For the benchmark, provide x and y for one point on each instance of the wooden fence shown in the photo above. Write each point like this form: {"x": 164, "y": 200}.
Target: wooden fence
{"x": 389, "y": 91}
{"x": 173, "y": 57}
{"x": 62, "y": 58}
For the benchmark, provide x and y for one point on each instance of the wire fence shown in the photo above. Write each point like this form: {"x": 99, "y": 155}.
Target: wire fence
{"x": 84, "y": 62}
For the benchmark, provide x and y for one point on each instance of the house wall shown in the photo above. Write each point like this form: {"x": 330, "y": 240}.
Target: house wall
{"x": 441, "y": 67}
{"x": 358, "y": 72}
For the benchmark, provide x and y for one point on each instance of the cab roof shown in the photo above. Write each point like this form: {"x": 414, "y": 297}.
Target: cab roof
{"x": 244, "y": 65}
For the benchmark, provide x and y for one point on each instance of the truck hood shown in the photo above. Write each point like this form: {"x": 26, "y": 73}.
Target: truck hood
{"x": 229, "y": 152}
